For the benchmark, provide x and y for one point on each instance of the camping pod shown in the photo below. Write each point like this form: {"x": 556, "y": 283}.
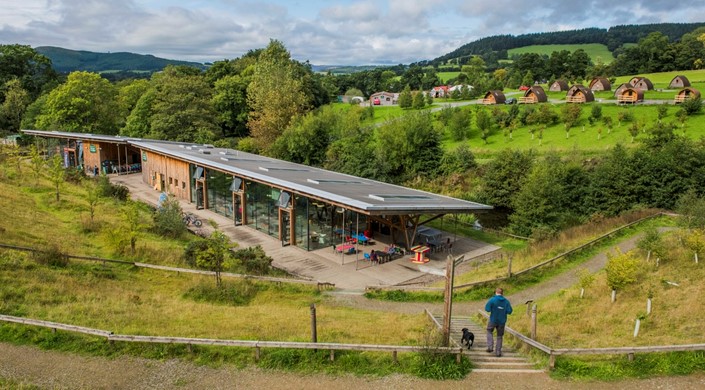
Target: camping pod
{"x": 579, "y": 94}
{"x": 686, "y": 93}
{"x": 535, "y": 94}
{"x": 494, "y": 97}
{"x": 600, "y": 84}
{"x": 631, "y": 95}
{"x": 679, "y": 81}
{"x": 558, "y": 85}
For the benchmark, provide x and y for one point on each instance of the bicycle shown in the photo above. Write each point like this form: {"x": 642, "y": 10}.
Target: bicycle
{"x": 190, "y": 219}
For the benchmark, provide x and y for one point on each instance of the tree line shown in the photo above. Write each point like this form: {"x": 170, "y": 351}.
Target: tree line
{"x": 614, "y": 37}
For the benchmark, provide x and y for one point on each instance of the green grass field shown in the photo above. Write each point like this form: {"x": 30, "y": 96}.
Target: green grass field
{"x": 445, "y": 76}
{"x": 584, "y": 137}
{"x": 596, "y": 51}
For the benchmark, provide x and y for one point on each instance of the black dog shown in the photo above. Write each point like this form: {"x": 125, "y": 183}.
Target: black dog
{"x": 468, "y": 338}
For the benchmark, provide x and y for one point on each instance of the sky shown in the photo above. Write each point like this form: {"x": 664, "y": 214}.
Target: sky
{"x": 323, "y": 32}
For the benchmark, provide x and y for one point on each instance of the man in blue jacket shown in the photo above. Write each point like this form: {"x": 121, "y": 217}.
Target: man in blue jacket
{"x": 498, "y": 307}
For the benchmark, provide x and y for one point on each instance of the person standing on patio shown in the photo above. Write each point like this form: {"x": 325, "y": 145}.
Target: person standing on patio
{"x": 498, "y": 307}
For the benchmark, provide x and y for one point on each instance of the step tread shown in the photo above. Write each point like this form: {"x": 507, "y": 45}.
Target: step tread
{"x": 512, "y": 371}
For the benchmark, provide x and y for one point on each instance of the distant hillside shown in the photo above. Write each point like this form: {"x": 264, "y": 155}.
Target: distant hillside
{"x": 613, "y": 38}
{"x": 65, "y": 61}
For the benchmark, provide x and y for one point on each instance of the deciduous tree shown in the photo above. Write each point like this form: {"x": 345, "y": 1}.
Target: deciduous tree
{"x": 85, "y": 103}
{"x": 275, "y": 95}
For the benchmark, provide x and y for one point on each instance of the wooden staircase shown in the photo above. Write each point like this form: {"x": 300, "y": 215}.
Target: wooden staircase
{"x": 510, "y": 362}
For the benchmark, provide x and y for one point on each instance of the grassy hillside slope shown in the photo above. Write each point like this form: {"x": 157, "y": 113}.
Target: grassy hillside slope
{"x": 596, "y": 51}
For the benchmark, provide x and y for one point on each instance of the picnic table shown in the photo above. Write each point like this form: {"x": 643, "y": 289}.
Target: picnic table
{"x": 419, "y": 252}
{"x": 345, "y": 248}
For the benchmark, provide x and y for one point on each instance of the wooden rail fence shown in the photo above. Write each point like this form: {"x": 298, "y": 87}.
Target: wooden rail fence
{"x": 257, "y": 345}
{"x": 320, "y": 285}
{"x": 629, "y": 351}
{"x": 524, "y": 271}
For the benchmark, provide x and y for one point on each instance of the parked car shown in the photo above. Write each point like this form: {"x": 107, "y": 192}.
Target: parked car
{"x": 376, "y": 102}
{"x": 523, "y": 88}
{"x": 511, "y": 101}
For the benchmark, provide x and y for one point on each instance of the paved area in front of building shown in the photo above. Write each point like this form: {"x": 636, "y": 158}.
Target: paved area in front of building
{"x": 346, "y": 271}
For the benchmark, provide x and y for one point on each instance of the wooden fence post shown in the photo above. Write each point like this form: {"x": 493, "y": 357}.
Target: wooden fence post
{"x": 533, "y": 321}
{"x": 394, "y": 357}
{"x": 509, "y": 262}
{"x": 314, "y": 334}
{"x": 332, "y": 355}
{"x": 257, "y": 353}
{"x": 552, "y": 361}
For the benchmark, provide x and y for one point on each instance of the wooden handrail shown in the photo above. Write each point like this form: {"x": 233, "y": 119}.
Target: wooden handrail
{"x": 526, "y": 340}
{"x": 175, "y": 269}
{"x": 230, "y": 343}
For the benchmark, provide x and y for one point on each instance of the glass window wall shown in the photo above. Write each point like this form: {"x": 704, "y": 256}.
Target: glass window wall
{"x": 220, "y": 196}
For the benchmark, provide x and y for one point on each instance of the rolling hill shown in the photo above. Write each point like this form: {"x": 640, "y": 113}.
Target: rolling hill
{"x": 65, "y": 60}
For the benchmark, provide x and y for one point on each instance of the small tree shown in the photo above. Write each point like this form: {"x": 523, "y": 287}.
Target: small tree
{"x": 419, "y": 101}
{"x": 459, "y": 124}
{"x": 622, "y": 269}
{"x": 405, "y": 98}
{"x": 651, "y": 242}
{"x": 570, "y": 115}
{"x": 662, "y": 111}
{"x": 216, "y": 254}
{"x": 691, "y": 208}
{"x": 596, "y": 112}
{"x": 57, "y": 173}
{"x": 37, "y": 163}
{"x": 429, "y": 99}
{"x": 585, "y": 279}
{"x": 682, "y": 116}
{"x": 607, "y": 120}
{"x": 695, "y": 242}
{"x": 634, "y": 130}
{"x": 92, "y": 197}
{"x": 133, "y": 224}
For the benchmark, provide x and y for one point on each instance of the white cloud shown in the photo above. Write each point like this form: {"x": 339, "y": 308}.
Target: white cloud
{"x": 321, "y": 31}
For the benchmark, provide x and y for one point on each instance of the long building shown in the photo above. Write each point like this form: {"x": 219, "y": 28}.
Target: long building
{"x": 297, "y": 204}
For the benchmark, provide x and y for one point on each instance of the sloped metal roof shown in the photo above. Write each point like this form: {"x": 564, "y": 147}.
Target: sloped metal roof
{"x": 369, "y": 196}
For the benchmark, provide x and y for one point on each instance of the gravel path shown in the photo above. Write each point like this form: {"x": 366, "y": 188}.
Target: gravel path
{"x": 28, "y": 365}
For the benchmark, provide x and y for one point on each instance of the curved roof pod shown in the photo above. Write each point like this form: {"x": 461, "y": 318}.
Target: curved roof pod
{"x": 631, "y": 95}
{"x": 679, "y": 81}
{"x": 644, "y": 84}
{"x": 621, "y": 88}
{"x": 579, "y": 94}
{"x": 558, "y": 85}
{"x": 686, "y": 93}
{"x": 494, "y": 97}
{"x": 536, "y": 94}
{"x": 600, "y": 84}
{"x": 634, "y": 80}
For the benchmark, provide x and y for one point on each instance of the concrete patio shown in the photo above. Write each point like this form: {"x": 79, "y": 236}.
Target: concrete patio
{"x": 346, "y": 271}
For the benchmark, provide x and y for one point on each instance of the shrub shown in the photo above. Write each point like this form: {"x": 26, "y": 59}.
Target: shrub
{"x": 254, "y": 260}
{"x": 193, "y": 249}
{"x": 51, "y": 256}
{"x": 74, "y": 175}
{"x": 168, "y": 219}
{"x": 692, "y": 105}
{"x": 237, "y": 293}
{"x": 106, "y": 189}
